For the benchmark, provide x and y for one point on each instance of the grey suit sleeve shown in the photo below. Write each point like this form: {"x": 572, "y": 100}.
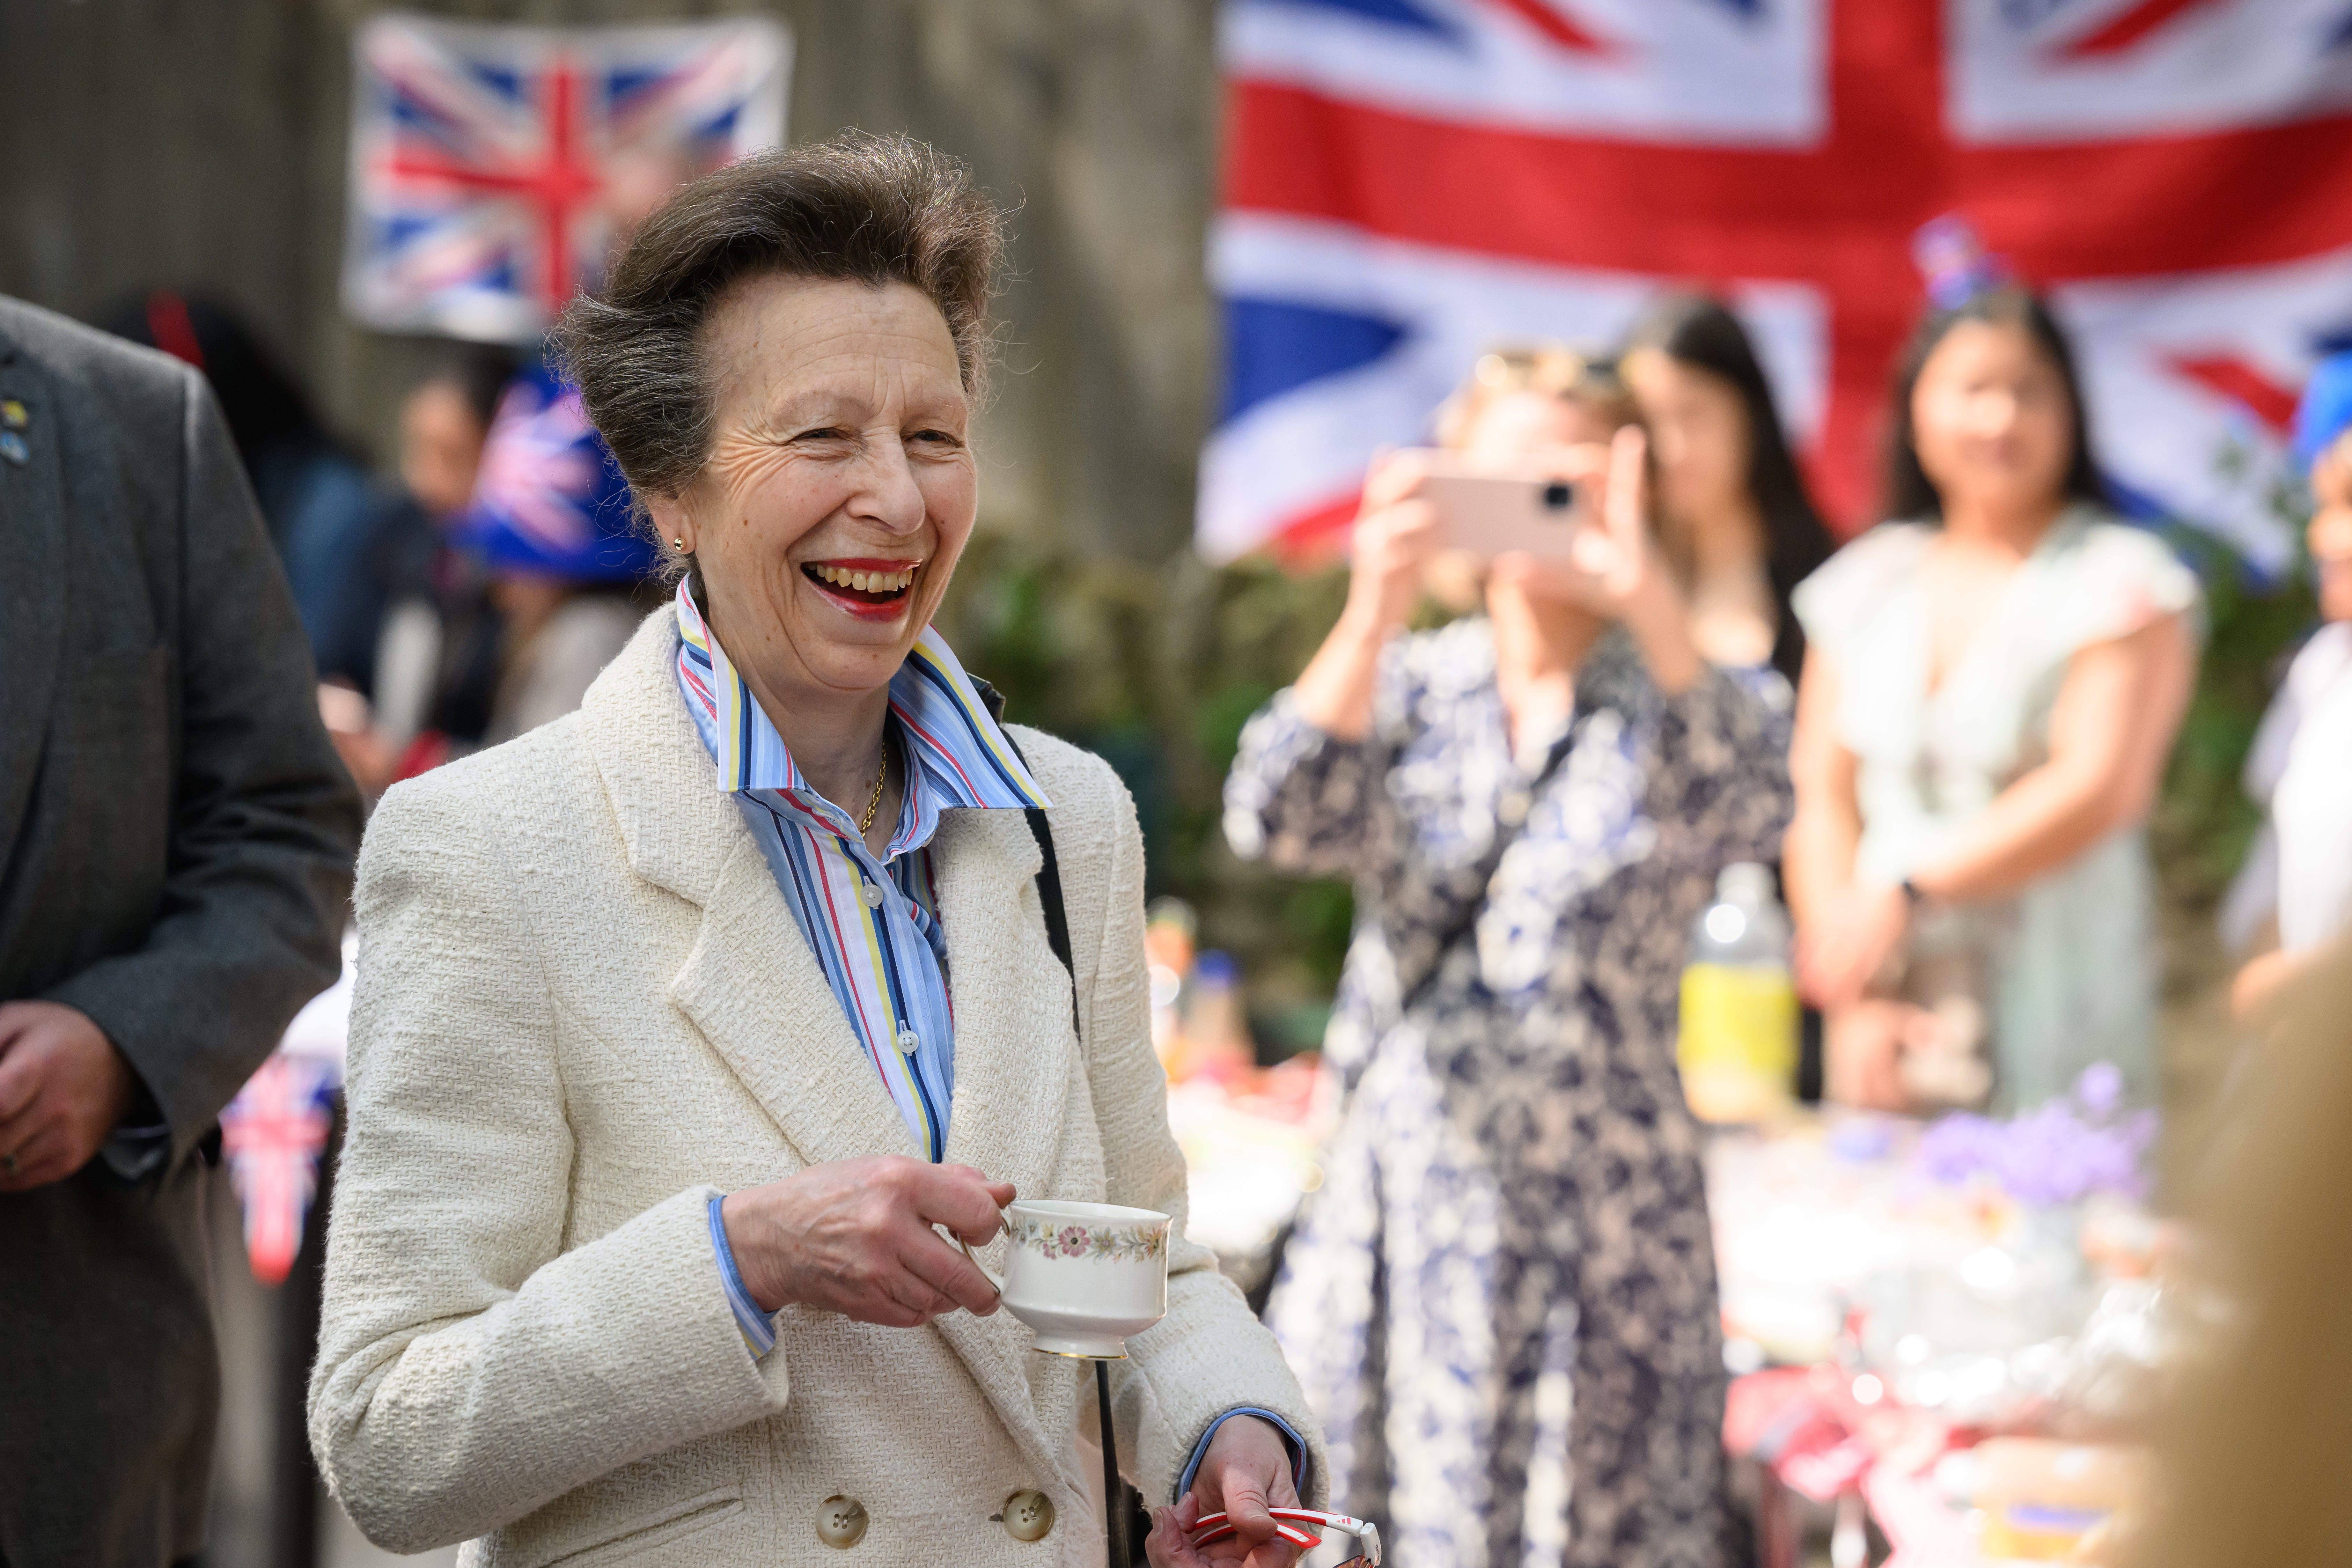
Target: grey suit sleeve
{"x": 265, "y": 820}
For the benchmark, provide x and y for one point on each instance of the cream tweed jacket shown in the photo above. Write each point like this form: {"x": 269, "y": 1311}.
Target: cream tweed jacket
{"x": 583, "y": 1008}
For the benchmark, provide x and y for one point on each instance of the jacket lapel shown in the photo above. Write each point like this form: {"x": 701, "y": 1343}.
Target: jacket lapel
{"x": 33, "y": 586}
{"x": 753, "y": 988}
{"x": 748, "y": 983}
{"x": 1015, "y": 1058}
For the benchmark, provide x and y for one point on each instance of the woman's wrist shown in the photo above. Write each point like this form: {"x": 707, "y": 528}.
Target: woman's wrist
{"x": 1660, "y": 624}
{"x": 1334, "y": 692}
{"x": 1368, "y": 620}
{"x": 735, "y": 1219}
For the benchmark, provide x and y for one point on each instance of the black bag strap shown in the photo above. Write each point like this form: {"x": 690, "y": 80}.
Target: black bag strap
{"x": 1057, "y": 937}
{"x": 1049, "y": 875}
{"x": 1049, "y": 893}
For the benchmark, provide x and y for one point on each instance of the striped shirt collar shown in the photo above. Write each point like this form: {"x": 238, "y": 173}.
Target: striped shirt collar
{"x": 959, "y": 755}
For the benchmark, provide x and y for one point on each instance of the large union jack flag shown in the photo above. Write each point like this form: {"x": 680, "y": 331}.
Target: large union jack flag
{"x": 492, "y": 166}
{"x": 1407, "y": 180}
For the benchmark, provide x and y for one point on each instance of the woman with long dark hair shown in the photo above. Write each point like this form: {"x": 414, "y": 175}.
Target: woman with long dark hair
{"x": 1993, "y": 681}
{"x": 1733, "y": 510}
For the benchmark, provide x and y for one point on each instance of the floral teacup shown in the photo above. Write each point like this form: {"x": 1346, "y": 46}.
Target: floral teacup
{"x": 1084, "y": 1276}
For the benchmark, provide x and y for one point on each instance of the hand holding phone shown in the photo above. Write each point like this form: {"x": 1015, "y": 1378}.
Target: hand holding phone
{"x": 1395, "y": 534}
{"x": 1489, "y": 513}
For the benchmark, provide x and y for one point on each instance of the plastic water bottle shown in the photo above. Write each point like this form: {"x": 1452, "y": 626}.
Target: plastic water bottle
{"x": 1738, "y": 1045}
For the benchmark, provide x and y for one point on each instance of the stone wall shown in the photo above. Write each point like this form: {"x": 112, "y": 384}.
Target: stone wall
{"x": 202, "y": 143}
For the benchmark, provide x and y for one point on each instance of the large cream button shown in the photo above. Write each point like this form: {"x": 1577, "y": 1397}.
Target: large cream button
{"x": 1028, "y": 1515}
{"x": 841, "y": 1521}
{"x": 1513, "y": 808}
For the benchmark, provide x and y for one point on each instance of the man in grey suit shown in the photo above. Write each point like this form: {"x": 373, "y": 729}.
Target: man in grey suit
{"x": 176, "y": 838}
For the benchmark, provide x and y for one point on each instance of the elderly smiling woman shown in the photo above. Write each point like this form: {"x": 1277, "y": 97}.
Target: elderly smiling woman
{"x": 683, "y": 1021}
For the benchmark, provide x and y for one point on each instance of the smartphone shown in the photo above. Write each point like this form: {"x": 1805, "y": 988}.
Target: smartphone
{"x": 1489, "y": 513}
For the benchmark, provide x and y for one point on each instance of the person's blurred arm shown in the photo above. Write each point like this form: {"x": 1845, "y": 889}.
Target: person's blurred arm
{"x": 265, "y": 822}
{"x": 1305, "y": 793}
{"x": 1844, "y": 931}
{"x": 2110, "y": 732}
{"x": 2260, "y": 983}
{"x": 1825, "y": 834}
{"x": 1393, "y": 540}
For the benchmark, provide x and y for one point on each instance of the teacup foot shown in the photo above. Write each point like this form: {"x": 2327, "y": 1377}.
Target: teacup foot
{"x": 1107, "y": 1348}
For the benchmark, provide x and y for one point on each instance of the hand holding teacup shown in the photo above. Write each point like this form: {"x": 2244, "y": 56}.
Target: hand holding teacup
{"x": 854, "y": 1236}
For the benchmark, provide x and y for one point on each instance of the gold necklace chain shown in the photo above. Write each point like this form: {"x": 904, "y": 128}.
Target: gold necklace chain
{"x": 865, "y": 823}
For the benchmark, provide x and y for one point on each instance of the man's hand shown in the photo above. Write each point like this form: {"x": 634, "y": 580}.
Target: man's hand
{"x": 63, "y": 1088}
{"x": 1245, "y": 1472}
{"x": 854, "y": 1236}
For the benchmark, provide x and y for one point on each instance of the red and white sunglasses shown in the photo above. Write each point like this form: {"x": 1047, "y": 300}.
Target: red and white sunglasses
{"x": 1216, "y": 1527}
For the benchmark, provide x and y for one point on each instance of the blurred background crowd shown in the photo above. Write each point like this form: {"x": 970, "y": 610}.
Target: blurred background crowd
{"x": 1996, "y": 451}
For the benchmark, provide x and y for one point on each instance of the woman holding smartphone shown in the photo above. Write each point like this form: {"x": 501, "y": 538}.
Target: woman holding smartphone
{"x": 1533, "y": 803}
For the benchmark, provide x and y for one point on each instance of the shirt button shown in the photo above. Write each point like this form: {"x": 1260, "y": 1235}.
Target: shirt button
{"x": 872, "y": 894}
{"x": 841, "y": 1523}
{"x": 1028, "y": 1515}
{"x": 910, "y": 1041}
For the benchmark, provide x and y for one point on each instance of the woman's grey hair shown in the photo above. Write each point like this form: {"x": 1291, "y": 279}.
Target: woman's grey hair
{"x": 874, "y": 209}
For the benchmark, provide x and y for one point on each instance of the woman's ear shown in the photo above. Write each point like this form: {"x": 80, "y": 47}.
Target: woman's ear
{"x": 672, "y": 523}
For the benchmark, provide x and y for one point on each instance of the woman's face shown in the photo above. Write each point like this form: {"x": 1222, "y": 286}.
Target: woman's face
{"x": 1522, "y": 429}
{"x": 1699, "y": 436}
{"x": 2331, "y": 531}
{"x": 840, "y": 488}
{"x": 440, "y": 448}
{"x": 1990, "y": 422}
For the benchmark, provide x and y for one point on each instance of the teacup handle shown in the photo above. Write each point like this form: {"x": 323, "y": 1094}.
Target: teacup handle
{"x": 985, "y": 1271}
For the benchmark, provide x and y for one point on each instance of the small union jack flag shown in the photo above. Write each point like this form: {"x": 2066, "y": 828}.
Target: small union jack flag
{"x": 492, "y": 166}
{"x": 272, "y": 1135}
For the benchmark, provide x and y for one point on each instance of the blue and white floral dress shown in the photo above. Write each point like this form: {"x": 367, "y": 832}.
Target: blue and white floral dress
{"x": 1502, "y": 1303}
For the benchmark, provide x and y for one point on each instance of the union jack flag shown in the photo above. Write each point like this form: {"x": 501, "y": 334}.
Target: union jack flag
{"x": 272, "y": 1136}
{"x": 492, "y": 166}
{"x": 1408, "y": 180}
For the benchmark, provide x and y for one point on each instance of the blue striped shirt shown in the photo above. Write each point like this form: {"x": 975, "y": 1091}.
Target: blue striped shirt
{"x": 872, "y": 922}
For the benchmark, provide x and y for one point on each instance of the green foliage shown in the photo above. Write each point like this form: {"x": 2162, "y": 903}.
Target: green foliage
{"x": 1157, "y": 668}
{"x": 2203, "y": 819}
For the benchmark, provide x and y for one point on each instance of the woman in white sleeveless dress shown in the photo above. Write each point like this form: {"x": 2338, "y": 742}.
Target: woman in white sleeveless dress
{"x": 1991, "y": 689}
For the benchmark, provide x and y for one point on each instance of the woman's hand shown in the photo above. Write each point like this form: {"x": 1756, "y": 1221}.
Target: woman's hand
{"x": 1245, "y": 1472}
{"x": 1843, "y": 945}
{"x": 1612, "y": 569}
{"x": 1396, "y": 533}
{"x": 854, "y": 1236}
{"x": 1861, "y": 1050}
